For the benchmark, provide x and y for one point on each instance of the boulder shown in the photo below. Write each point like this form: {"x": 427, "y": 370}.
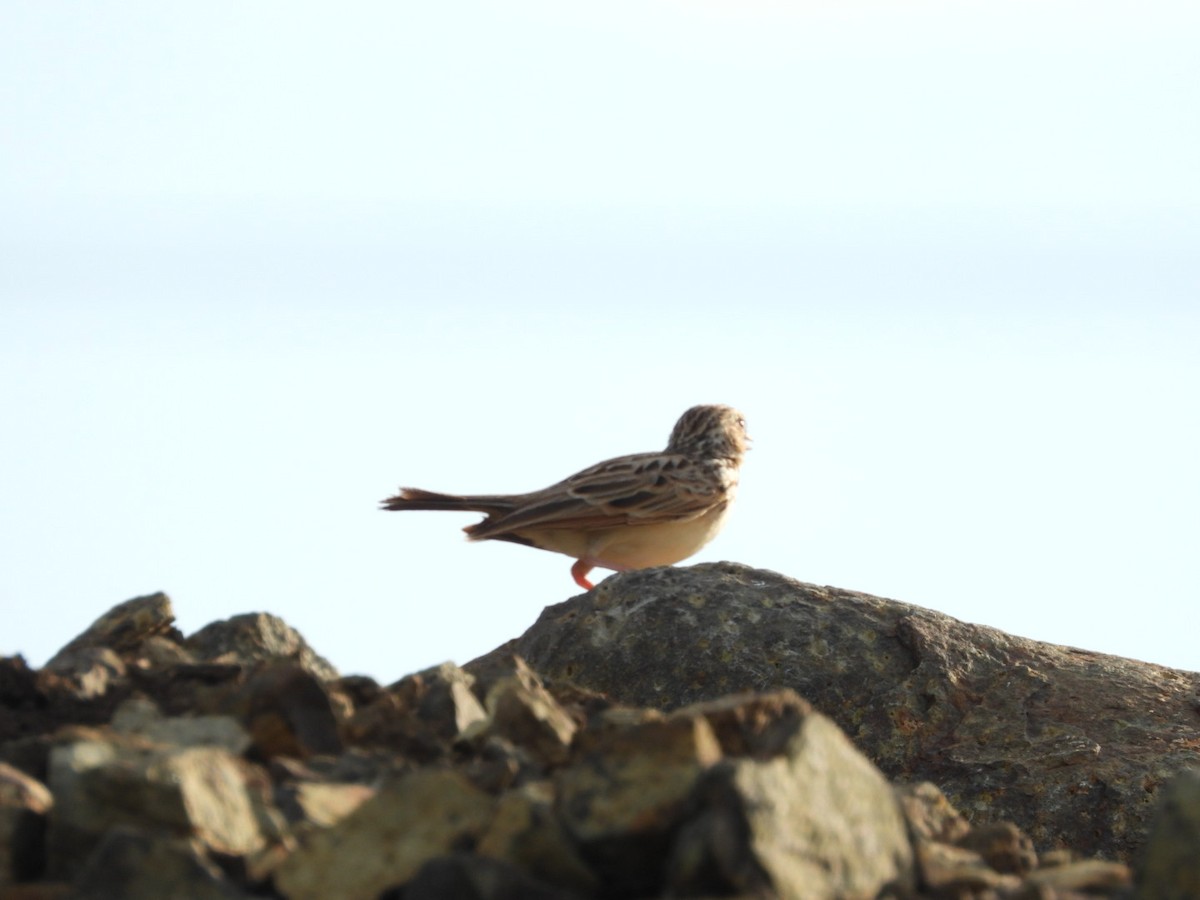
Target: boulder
{"x": 1068, "y": 744}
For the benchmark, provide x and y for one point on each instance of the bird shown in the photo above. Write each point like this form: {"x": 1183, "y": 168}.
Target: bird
{"x": 629, "y": 512}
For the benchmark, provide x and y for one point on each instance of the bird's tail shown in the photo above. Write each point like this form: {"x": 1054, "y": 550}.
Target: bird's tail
{"x": 415, "y": 498}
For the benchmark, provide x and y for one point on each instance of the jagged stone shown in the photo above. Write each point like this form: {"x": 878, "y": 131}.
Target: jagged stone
{"x": 817, "y": 821}
{"x": 257, "y": 638}
{"x": 930, "y": 815}
{"x": 1089, "y": 876}
{"x": 953, "y": 872}
{"x": 627, "y": 791}
{"x": 130, "y": 864}
{"x": 159, "y": 651}
{"x": 91, "y": 671}
{"x": 140, "y": 716}
{"x": 420, "y": 715}
{"x": 1003, "y": 846}
{"x": 521, "y": 710}
{"x": 122, "y": 629}
{"x": 287, "y": 712}
{"x": 526, "y": 832}
{"x": 755, "y": 725}
{"x": 1068, "y": 744}
{"x": 464, "y": 877}
{"x": 99, "y": 785}
{"x": 322, "y": 804}
{"x": 1170, "y": 866}
{"x": 384, "y": 842}
{"x": 24, "y": 804}
{"x": 498, "y": 764}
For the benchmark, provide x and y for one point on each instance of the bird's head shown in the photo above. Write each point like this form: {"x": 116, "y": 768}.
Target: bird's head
{"x": 710, "y": 432}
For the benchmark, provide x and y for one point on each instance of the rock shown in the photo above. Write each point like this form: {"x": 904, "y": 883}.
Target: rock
{"x": 420, "y": 715}
{"x": 159, "y": 651}
{"x": 1066, "y": 743}
{"x": 465, "y": 877}
{"x": 322, "y": 804}
{"x": 526, "y": 832}
{"x": 287, "y": 711}
{"x": 92, "y": 671}
{"x": 129, "y": 864}
{"x": 122, "y": 629}
{"x": 1170, "y": 867}
{"x": 521, "y": 710}
{"x": 257, "y": 637}
{"x": 1003, "y": 846}
{"x": 24, "y": 804}
{"x": 386, "y": 841}
{"x": 818, "y": 821}
{"x": 202, "y": 792}
{"x": 948, "y": 871}
{"x": 627, "y": 791}
{"x": 929, "y": 814}
{"x": 141, "y": 717}
{"x": 756, "y": 725}
{"x": 1089, "y": 876}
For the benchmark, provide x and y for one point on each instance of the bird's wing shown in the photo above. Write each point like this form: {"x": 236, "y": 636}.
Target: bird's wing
{"x": 644, "y": 489}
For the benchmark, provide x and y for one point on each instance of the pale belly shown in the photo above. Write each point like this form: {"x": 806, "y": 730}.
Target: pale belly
{"x": 632, "y": 546}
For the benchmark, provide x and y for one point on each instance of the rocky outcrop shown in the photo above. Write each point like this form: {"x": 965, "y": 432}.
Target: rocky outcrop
{"x": 1069, "y": 744}
{"x": 236, "y": 763}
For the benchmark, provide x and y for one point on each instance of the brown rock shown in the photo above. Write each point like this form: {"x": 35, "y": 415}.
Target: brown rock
{"x": 1003, "y": 846}
{"x": 627, "y": 791}
{"x": 91, "y": 671}
{"x": 122, "y": 629}
{"x": 323, "y": 804}
{"x": 255, "y": 638}
{"x": 521, "y": 710}
{"x": 140, "y": 716}
{"x": 757, "y": 725}
{"x": 1066, "y": 743}
{"x": 158, "y": 651}
{"x": 1170, "y": 867}
{"x": 464, "y": 877}
{"x": 287, "y": 712}
{"x": 952, "y": 872}
{"x": 419, "y": 716}
{"x": 24, "y": 804}
{"x": 201, "y": 792}
{"x": 386, "y": 841}
{"x": 930, "y": 815}
{"x": 1088, "y": 876}
{"x": 817, "y": 822}
{"x": 129, "y": 864}
{"x": 526, "y": 833}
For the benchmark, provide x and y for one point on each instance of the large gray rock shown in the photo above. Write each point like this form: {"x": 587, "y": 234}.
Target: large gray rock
{"x": 1068, "y": 744}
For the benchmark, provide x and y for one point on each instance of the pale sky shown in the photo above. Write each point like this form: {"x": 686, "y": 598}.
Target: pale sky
{"x": 261, "y": 264}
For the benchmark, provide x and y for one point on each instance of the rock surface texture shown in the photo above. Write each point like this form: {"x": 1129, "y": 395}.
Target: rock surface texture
{"x": 709, "y": 732}
{"x": 1069, "y": 744}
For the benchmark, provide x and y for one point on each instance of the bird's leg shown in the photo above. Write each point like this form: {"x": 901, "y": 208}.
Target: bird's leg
{"x": 579, "y": 572}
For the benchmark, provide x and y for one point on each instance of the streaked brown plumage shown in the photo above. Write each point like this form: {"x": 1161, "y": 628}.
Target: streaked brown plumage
{"x": 631, "y": 512}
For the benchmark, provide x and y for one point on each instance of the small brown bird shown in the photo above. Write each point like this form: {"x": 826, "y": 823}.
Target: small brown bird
{"x": 632, "y": 512}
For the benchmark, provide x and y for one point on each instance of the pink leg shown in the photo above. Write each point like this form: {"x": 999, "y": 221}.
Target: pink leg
{"x": 579, "y": 572}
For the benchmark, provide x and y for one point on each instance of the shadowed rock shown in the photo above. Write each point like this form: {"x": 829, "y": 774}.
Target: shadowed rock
{"x": 1069, "y": 744}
